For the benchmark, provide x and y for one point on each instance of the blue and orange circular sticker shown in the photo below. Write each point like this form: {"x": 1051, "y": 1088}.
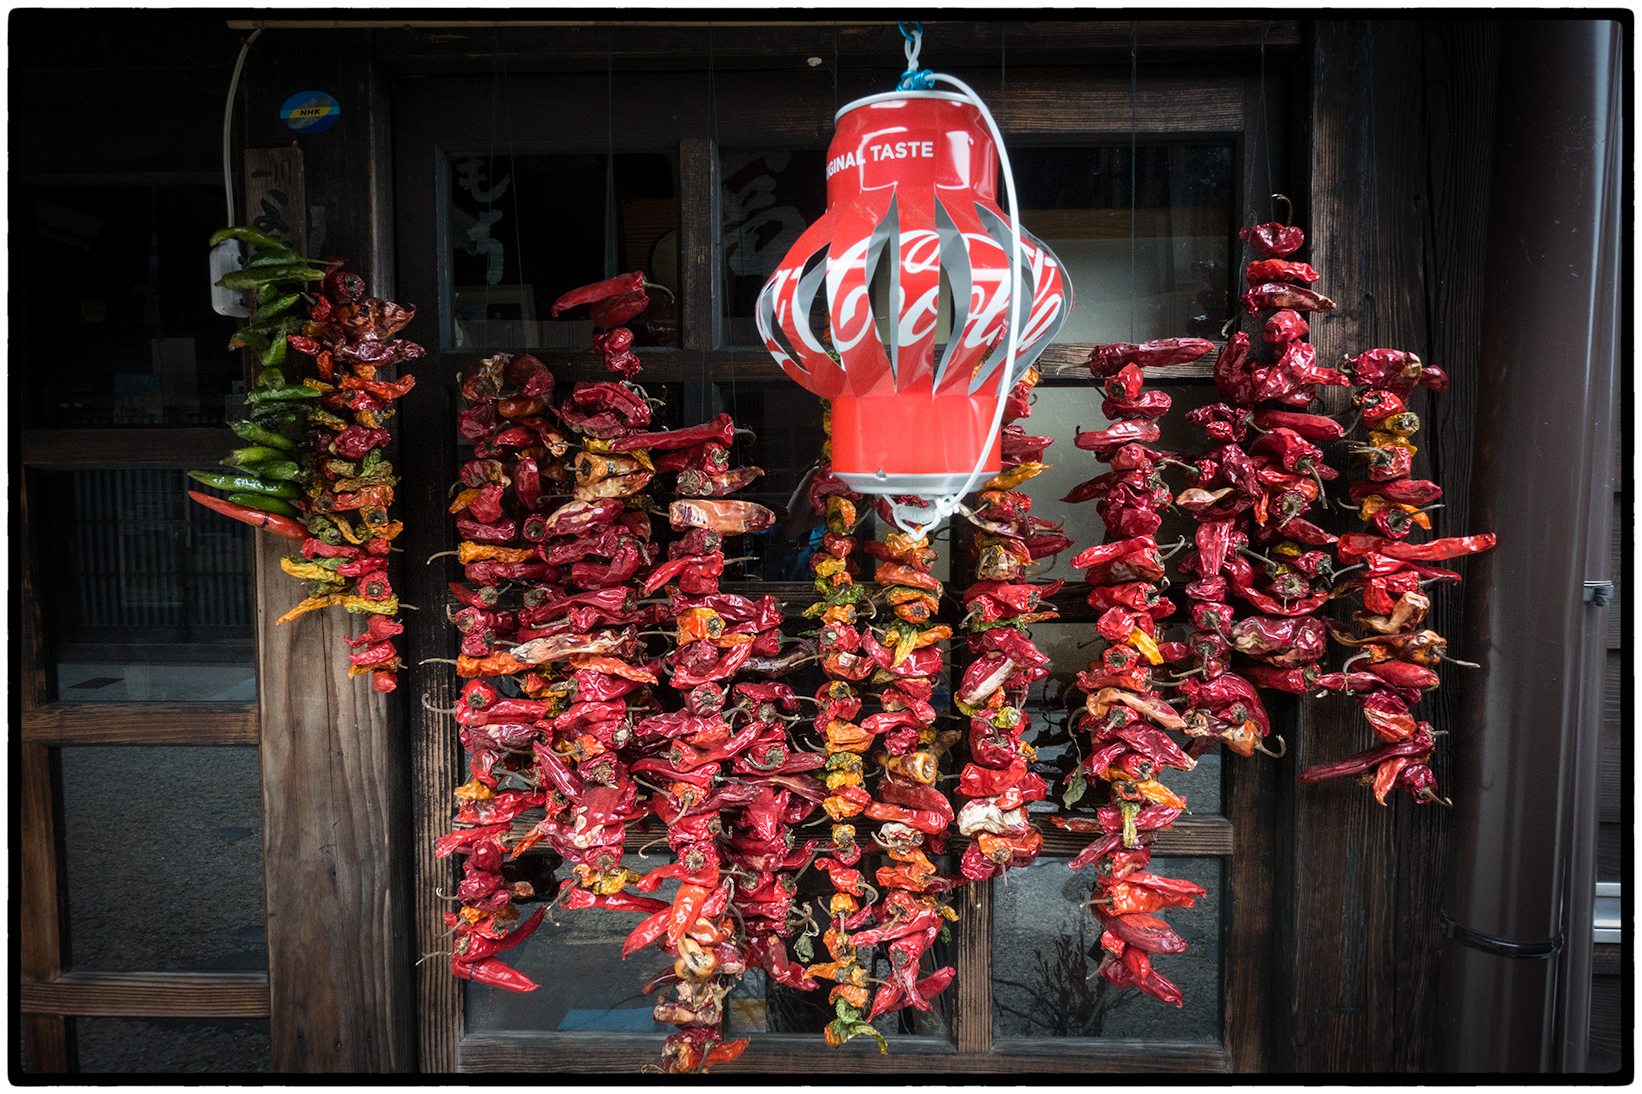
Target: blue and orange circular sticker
{"x": 310, "y": 112}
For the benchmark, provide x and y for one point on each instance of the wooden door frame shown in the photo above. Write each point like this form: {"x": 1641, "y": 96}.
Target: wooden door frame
{"x": 427, "y": 113}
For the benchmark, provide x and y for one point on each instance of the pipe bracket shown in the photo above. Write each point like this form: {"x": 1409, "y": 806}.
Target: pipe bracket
{"x": 1499, "y": 947}
{"x": 1598, "y": 593}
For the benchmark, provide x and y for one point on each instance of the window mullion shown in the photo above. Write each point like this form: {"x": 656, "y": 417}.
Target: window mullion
{"x": 698, "y": 243}
{"x": 972, "y": 1003}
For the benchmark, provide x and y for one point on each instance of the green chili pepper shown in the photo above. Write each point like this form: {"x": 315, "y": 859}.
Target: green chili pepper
{"x": 283, "y": 394}
{"x": 254, "y": 236}
{"x": 249, "y": 338}
{"x": 270, "y": 376}
{"x": 275, "y": 353}
{"x": 263, "y": 275}
{"x": 246, "y": 483}
{"x": 276, "y": 256}
{"x": 240, "y": 457}
{"x": 372, "y": 459}
{"x": 278, "y": 306}
{"x": 265, "y": 503}
{"x": 272, "y": 470}
{"x": 272, "y": 414}
{"x": 254, "y": 433}
{"x": 262, "y": 332}
{"x": 326, "y": 419}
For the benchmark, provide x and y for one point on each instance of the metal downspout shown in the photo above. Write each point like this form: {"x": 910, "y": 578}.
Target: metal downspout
{"x": 1525, "y": 755}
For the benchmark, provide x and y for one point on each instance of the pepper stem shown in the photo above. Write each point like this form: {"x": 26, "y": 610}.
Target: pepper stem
{"x": 436, "y": 661}
{"x": 437, "y": 710}
{"x": 1258, "y": 747}
{"x": 1271, "y": 566}
{"x": 1345, "y": 669}
{"x": 645, "y": 847}
{"x": 441, "y": 554}
{"x": 1225, "y": 328}
{"x": 1457, "y": 661}
{"x": 1288, "y": 221}
{"x": 1175, "y": 548}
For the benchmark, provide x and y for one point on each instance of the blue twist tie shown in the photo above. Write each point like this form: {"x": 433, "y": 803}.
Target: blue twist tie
{"x": 916, "y": 80}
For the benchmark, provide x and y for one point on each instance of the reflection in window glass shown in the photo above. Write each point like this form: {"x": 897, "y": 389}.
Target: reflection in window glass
{"x": 1146, "y": 239}
{"x": 769, "y": 197}
{"x": 525, "y": 230}
{"x": 1071, "y": 647}
{"x": 164, "y": 851}
{"x": 194, "y": 1045}
{"x": 1062, "y": 411}
{"x": 111, "y": 317}
{"x": 585, "y": 984}
{"x": 1046, "y": 948}
{"x": 154, "y": 597}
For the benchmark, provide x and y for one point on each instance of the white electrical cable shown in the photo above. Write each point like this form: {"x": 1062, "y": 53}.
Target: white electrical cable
{"x": 946, "y": 505}
{"x": 228, "y": 124}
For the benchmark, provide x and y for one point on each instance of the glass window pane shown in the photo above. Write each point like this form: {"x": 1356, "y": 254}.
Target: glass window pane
{"x": 769, "y": 197}
{"x": 525, "y": 230}
{"x": 154, "y": 598}
{"x": 111, "y": 308}
{"x": 585, "y": 984}
{"x": 196, "y": 1045}
{"x": 164, "y": 850}
{"x": 1162, "y": 268}
{"x": 1046, "y": 948}
{"x": 1146, "y": 238}
{"x": 1062, "y": 411}
{"x": 1070, "y": 647}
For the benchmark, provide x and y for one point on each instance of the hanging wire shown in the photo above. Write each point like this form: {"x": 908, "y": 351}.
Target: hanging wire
{"x": 913, "y": 79}
{"x": 1134, "y": 196}
{"x": 714, "y": 172}
{"x": 835, "y": 68}
{"x": 228, "y": 123}
{"x": 609, "y": 156}
{"x": 513, "y": 173}
{"x": 490, "y": 159}
{"x": 1265, "y": 131}
{"x": 1373, "y": 189}
{"x": 712, "y": 102}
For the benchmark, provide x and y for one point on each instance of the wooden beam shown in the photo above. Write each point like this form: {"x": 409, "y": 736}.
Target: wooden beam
{"x": 41, "y": 904}
{"x": 1066, "y": 362}
{"x": 333, "y": 759}
{"x": 972, "y": 946}
{"x": 1400, "y": 124}
{"x": 799, "y": 1053}
{"x": 699, "y": 232}
{"x": 59, "y": 724}
{"x": 150, "y": 995}
{"x": 43, "y": 898}
{"x": 85, "y": 449}
{"x": 873, "y": 47}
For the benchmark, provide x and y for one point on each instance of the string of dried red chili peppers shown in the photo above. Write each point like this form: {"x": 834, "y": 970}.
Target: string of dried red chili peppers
{"x": 1123, "y": 715}
{"x": 1400, "y": 659}
{"x": 1257, "y": 496}
{"x": 1000, "y": 605}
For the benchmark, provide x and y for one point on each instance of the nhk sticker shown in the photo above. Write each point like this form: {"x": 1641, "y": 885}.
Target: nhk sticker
{"x": 310, "y": 112}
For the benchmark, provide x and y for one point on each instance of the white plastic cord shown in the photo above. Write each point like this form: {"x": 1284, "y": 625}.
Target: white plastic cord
{"x": 906, "y": 517}
{"x": 228, "y": 124}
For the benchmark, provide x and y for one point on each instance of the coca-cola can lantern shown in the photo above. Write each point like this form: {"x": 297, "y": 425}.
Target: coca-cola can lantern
{"x": 912, "y": 184}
